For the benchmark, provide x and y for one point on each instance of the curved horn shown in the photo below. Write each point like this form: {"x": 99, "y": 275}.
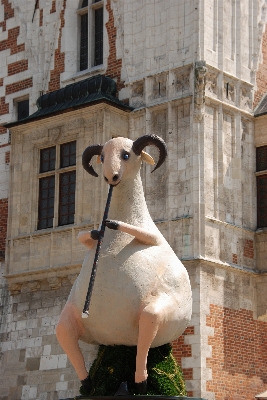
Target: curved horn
{"x": 147, "y": 140}
{"x": 87, "y": 156}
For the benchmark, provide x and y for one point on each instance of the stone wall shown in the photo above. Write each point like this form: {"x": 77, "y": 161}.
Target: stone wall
{"x": 33, "y": 365}
{"x": 203, "y": 198}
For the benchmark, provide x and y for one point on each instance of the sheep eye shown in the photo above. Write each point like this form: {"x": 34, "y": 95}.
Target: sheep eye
{"x": 102, "y": 158}
{"x": 125, "y": 156}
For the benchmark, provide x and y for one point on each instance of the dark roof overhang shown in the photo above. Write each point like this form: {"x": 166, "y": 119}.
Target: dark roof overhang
{"x": 98, "y": 89}
{"x": 261, "y": 108}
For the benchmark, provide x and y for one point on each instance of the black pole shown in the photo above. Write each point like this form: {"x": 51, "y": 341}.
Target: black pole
{"x": 85, "y": 312}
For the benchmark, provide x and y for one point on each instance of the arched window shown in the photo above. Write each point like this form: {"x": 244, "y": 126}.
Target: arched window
{"x": 91, "y": 33}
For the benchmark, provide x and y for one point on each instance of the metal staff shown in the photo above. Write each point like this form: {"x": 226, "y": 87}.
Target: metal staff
{"x": 85, "y": 312}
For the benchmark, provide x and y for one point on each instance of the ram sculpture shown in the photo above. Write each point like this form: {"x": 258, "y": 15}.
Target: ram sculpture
{"x": 142, "y": 294}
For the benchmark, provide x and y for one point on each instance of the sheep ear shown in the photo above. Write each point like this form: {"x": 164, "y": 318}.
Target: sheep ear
{"x": 98, "y": 160}
{"x": 147, "y": 158}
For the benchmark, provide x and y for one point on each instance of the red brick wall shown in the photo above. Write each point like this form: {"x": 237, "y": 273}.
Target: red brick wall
{"x": 4, "y": 107}
{"x": 180, "y": 349}
{"x": 16, "y": 67}
{"x": 11, "y": 42}
{"x": 3, "y": 225}
{"x": 261, "y": 76}
{"x": 8, "y": 13}
{"x": 17, "y": 86}
{"x": 114, "y": 64}
{"x": 248, "y": 248}
{"x": 239, "y": 351}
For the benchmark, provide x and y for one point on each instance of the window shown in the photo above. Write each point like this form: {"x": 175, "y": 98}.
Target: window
{"x": 57, "y": 180}
{"x": 261, "y": 162}
{"x": 91, "y": 33}
{"x": 23, "y": 109}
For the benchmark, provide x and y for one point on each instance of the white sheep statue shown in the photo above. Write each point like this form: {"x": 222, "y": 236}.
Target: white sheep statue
{"x": 142, "y": 294}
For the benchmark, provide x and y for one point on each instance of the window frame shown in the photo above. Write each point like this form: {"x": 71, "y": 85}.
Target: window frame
{"x": 56, "y": 172}
{"x": 90, "y": 10}
{"x": 260, "y": 174}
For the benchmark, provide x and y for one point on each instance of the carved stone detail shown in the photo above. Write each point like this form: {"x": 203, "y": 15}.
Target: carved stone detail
{"x": 211, "y": 83}
{"x": 32, "y": 286}
{"x": 182, "y": 81}
{"x": 72, "y": 278}
{"x": 159, "y": 86}
{"x": 54, "y": 282}
{"x": 200, "y": 82}
{"x": 229, "y": 91}
{"x": 14, "y": 288}
{"x": 245, "y": 98}
{"x": 137, "y": 99}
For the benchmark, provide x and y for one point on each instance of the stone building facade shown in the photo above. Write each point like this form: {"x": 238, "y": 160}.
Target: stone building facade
{"x": 192, "y": 72}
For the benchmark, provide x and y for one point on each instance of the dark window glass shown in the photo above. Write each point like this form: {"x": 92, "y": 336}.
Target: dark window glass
{"x": 84, "y": 3}
{"x": 261, "y": 155}
{"x": 46, "y": 202}
{"x": 262, "y": 201}
{"x": 23, "y": 109}
{"x": 67, "y": 154}
{"x": 98, "y": 36}
{"x": 84, "y": 43}
{"x": 67, "y": 198}
{"x": 48, "y": 159}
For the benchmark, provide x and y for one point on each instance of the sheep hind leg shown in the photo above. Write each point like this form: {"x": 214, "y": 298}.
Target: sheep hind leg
{"x": 149, "y": 323}
{"x": 68, "y": 331}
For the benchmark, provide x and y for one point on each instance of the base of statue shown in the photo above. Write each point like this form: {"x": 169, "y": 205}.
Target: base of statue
{"x": 140, "y": 397}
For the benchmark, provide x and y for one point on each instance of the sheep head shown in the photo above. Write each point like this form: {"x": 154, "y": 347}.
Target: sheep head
{"x": 121, "y": 156}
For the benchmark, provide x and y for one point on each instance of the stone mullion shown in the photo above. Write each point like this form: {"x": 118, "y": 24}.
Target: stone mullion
{"x": 79, "y": 178}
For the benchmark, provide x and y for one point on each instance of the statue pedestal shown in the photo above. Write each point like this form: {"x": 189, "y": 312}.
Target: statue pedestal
{"x": 139, "y": 397}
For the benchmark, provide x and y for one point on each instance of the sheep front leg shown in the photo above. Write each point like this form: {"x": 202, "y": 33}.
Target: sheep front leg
{"x": 141, "y": 234}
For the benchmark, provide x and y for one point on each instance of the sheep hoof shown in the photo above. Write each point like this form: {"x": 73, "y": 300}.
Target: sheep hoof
{"x": 95, "y": 234}
{"x": 86, "y": 386}
{"x": 141, "y": 387}
{"x": 123, "y": 390}
{"x": 112, "y": 224}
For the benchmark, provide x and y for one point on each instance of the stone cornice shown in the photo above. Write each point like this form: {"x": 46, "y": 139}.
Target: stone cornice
{"x": 30, "y": 281}
{"x": 200, "y": 261}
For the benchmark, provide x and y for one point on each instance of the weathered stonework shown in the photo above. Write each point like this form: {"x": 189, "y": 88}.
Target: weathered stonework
{"x": 193, "y": 72}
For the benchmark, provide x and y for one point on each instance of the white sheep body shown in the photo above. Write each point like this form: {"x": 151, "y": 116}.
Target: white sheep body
{"x": 142, "y": 294}
{"x": 129, "y": 274}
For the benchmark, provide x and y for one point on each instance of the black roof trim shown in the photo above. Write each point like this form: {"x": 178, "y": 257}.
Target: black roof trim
{"x": 76, "y": 95}
{"x": 261, "y": 108}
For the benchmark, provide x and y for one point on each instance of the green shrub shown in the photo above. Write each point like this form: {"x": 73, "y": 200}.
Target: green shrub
{"x": 116, "y": 364}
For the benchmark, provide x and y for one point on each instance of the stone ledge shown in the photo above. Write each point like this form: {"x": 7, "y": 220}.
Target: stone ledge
{"x": 140, "y": 397}
{"x": 30, "y": 281}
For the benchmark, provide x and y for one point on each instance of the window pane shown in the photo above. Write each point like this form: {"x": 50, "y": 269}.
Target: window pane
{"x": 23, "y": 109}
{"x": 261, "y": 158}
{"x": 67, "y": 154}
{"x": 262, "y": 201}
{"x": 84, "y": 43}
{"x": 48, "y": 159}
{"x": 66, "y": 210}
{"x": 46, "y": 202}
{"x": 98, "y": 36}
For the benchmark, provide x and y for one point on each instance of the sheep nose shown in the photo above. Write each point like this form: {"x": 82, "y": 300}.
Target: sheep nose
{"x": 115, "y": 177}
